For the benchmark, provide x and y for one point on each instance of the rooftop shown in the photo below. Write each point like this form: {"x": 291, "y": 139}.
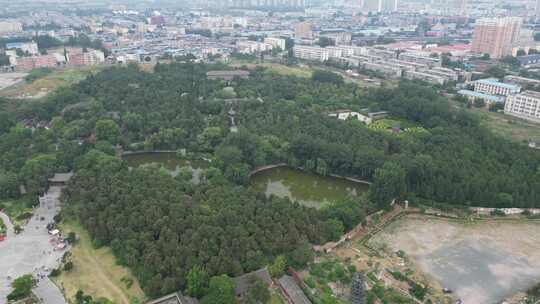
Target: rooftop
{"x": 244, "y": 281}
{"x": 61, "y": 177}
{"x": 293, "y": 291}
{"x": 474, "y": 94}
{"x": 228, "y": 73}
{"x": 495, "y": 82}
{"x": 174, "y": 298}
{"x": 533, "y": 94}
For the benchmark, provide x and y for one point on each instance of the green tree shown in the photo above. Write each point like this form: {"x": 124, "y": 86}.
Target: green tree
{"x": 479, "y": 103}
{"x": 325, "y": 41}
{"x": 220, "y": 291}
{"x": 22, "y": 287}
{"x": 301, "y": 256}
{"x": 334, "y": 229}
{"x": 277, "y": 269}
{"x": 197, "y": 282}
{"x": 36, "y": 171}
{"x": 326, "y": 76}
{"x": 389, "y": 183}
{"x": 257, "y": 293}
{"x": 107, "y": 130}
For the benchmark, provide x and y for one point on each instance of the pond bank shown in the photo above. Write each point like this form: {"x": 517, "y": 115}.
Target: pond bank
{"x": 279, "y": 165}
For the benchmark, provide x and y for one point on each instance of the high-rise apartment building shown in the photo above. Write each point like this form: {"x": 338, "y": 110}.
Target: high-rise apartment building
{"x": 303, "y": 30}
{"x": 10, "y": 27}
{"x": 496, "y": 36}
{"x": 463, "y": 7}
{"x": 267, "y": 3}
{"x": 380, "y": 5}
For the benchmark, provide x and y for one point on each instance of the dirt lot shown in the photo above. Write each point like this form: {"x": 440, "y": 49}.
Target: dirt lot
{"x": 41, "y": 87}
{"x": 9, "y": 79}
{"x": 483, "y": 262}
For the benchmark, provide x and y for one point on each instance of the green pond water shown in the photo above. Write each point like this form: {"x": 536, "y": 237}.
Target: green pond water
{"x": 308, "y": 189}
{"x": 169, "y": 160}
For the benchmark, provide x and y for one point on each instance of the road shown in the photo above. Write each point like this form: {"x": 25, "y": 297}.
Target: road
{"x": 31, "y": 252}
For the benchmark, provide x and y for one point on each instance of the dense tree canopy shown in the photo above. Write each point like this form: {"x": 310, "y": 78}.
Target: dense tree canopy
{"x": 176, "y": 235}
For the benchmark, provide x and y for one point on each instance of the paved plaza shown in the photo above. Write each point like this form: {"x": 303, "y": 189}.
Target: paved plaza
{"x": 31, "y": 252}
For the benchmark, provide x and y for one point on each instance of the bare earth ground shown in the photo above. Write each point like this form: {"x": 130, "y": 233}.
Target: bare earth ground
{"x": 41, "y": 87}
{"x": 9, "y": 79}
{"x": 482, "y": 262}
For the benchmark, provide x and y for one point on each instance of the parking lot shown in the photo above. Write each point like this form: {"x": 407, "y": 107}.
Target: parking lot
{"x": 33, "y": 251}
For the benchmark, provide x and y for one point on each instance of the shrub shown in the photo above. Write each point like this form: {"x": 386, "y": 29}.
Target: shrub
{"x": 22, "y": 287}
{"x": 55, "y": 272}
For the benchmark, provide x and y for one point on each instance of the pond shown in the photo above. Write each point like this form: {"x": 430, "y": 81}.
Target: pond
{"x": 169, "y": 160}
{"x": 308, "y": 189}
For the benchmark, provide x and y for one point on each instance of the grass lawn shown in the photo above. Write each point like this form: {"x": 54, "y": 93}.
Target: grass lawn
{"x": 277, "y": 68}
{"x": 509, "y": 127}
{"x": 276, "y": 298}
{"x": 18, "y": 210}
{"x": 41, "y": 87}
{"x": 95, "y": 272}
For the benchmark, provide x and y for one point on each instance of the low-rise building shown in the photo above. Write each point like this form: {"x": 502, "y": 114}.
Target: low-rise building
{"x": 346, "y": 114}
{"x": 314, "y": 53}
{"x": 522, "y": 81}
{"x": 91, "y": 57}
{"x": 227, "y": 75}
{"x": 338, "y": 36}
{"x": 26, "y": 47}
{"x": 292, "y": 291}
{"x": 419, "y": 58}
{"x": 424, "y": 76}
{"x": 10, "y": 27}
{"x": 243, "y": 282}
{"x": 250, "y": 47}
{"x": 492, "y": 86}
{"x": 529, "y": 60}
{"x": 174, "y": 298}
{"x": 35, "y": 62}
{"x": 388, "y": 70}
{"x": 525, "y": 105}
{"x": 472, "y": 96}
{"x": 276, "y": 42}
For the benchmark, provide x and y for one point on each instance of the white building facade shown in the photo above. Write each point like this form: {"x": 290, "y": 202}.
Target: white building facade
{"x": 525, "y": 105}
{"x": 311, "y": 53}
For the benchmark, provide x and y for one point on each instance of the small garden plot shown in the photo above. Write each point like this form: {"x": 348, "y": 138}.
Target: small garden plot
{"x": 330, "y": 278}
{"x": 397, "y": 126}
